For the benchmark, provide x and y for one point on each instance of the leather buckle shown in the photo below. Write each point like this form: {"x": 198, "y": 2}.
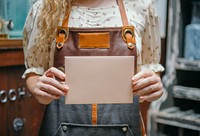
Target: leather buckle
{"x": 129, "y": 36}
{"x": 61, "y": 36}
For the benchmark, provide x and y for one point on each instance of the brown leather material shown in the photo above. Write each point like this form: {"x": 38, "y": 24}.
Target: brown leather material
{"x": 130, "y": 30}
{"x": 71, "y": 47}
{"x": 66, "y": 18}
{"x": 143, "y": 130}
{"x": 128, "y": 36}
{"x": 122, "y": 12}
{"x": 94, "y": 40}
{"x": 94, "y": 114}
{"x": 61, "y": 36}
{"x": 129, "y": 40}
{"x": 124, "y": 21}
{"x": 60, "y": 40}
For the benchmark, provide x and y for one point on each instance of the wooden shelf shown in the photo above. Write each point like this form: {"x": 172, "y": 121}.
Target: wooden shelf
{"x": 175, "y": 117}
{"x": 6, "y": 44}
{"x": 11, "y": 52}
{"x": 188, "y": 65}
{"x": 189, "y": 93}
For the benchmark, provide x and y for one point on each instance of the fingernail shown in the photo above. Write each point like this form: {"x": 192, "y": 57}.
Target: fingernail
{"x": 66, "y": 88}
{"x": 142, "y": 98}
{"x": 63, "y": 77}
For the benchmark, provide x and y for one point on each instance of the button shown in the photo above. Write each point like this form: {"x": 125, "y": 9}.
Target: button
{"x": 124, "y": 129}
{"x": 64, "y": 128}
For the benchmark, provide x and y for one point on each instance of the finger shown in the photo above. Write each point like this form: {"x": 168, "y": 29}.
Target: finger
{"x": 146, "y": 82}
{"x": 54, "y": 72}
{"x": 142, "y": 74}
{"x": 40, "y": 93}
{"x": 60, "y": 85}
{"x": 149, "y": 89}
{"x": 51, "y": 89}
{"x": 154, "y": 96}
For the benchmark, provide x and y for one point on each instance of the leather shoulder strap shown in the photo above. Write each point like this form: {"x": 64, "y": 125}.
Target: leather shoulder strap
{"x": 123, "y": 12}
{"x": 66, "y": 18}
{"x": 121, "y": 9}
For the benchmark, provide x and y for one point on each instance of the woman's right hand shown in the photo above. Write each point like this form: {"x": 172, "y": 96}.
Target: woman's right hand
{"x": 49, "y": 86}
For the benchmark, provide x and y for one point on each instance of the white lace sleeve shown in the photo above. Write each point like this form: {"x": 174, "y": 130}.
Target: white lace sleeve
{"x": 151, "y": 42}
{"x": 35, "y": 57}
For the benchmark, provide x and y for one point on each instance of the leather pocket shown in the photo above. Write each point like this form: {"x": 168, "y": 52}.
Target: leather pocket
{"x": 94, "y": 40}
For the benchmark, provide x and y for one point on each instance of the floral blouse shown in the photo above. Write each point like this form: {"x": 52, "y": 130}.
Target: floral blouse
{"x": 140, "y": 13}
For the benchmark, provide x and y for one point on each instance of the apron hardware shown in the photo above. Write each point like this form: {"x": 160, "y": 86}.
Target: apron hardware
{"x": 129, "y": 36}
{"x": 128, "y": 31}
{"x": 124, "y": 129}
{"x": 62, "y": 36}
{"x": 64, "y": 128}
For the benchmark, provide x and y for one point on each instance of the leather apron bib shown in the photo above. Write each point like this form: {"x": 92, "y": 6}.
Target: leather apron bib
{"x": 61, "y": 119}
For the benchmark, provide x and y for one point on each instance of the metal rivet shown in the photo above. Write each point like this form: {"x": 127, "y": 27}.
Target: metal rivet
{"x": 64, "y": 128}
{"x": 124, "y": 129}
{"x": 130, "y": 44}
{"x": 59, "y": 44}
{"x": 128, "y": 31}
{"x": 63, "y": 31}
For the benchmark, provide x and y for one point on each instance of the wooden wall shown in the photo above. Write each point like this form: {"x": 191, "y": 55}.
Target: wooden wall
{"x": 20, "y": 114}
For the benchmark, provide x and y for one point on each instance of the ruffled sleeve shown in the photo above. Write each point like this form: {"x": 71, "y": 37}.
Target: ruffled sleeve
{"x": 151, "y": 42}
{"x": 36, "y": 58}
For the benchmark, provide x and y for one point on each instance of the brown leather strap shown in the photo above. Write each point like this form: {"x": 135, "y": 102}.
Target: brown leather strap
{"x": 94, "y": 114}
{"x": 66, "y": 18}
{"x": 142, "y": 126}
{"x": 121, "y": 9}
{"x": 123, "y": 12}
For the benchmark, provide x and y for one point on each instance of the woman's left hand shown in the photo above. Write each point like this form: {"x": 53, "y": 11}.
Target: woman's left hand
{"x": 147, "y": 84}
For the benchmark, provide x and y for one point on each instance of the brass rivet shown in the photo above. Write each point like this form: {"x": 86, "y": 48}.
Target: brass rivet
{"x": 128, "y": 31}
{"x": 124, "y": 129}
{"x": 64, "y": 128}
{"x": 59, "y": 45}
{"x": 130, "y": 45}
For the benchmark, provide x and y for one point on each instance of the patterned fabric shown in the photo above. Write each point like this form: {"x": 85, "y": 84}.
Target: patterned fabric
{"x": 141, "y": 14}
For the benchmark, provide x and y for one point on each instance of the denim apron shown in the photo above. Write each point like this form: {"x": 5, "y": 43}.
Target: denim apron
{"x": 62, "y": 119}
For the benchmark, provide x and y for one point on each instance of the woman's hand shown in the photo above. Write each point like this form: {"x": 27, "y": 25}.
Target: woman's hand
{"x": 148, "y": 85}
{"x": 49, "y": 86}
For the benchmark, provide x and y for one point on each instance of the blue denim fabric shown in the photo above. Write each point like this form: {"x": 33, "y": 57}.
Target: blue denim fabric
{"x": 192, "y": 42}
{"x": 76, "y": 120}
{"x": 66, "y": 129}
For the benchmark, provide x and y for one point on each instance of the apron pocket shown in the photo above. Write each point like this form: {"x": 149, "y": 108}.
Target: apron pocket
{"x": 70, "y": 129}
